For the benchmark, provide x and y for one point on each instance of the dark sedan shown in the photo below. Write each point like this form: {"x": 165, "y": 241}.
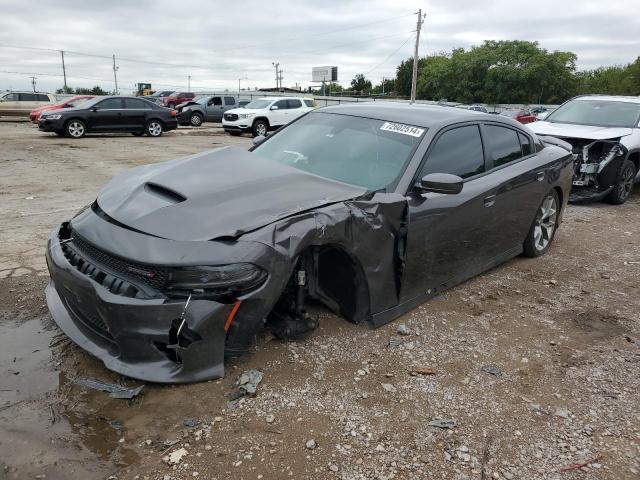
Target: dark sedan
{"x": 370, "y": 209}
{"x": 110, "y": 115}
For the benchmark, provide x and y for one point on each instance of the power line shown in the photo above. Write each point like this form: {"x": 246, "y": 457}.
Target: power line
{"x": 392, "y": 54}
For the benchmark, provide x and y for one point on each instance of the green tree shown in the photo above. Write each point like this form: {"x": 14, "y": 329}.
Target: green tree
{"x": 404, "y": 75}
{"x": 360, "y": 84}
{"x": 387, "y": 86}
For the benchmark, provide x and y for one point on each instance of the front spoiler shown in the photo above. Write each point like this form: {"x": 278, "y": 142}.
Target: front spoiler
{"x": 132, "y": 333}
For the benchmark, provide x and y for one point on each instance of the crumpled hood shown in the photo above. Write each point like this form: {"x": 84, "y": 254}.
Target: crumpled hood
{"x": 219, "y": 193}
{"x": 588, "y": 132}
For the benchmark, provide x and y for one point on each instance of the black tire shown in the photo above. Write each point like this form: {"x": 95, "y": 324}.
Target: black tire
{"x": 137, "y": 134}
{"x": 544, "y": 226}
{"x": 154, "y": 128}
{"x": 75, "y": 128}
{"x": 196, "y": 119}
{"x": 235, "y": 134}
{"x": 624, "y": 183}
{"x": 260, "y": 127}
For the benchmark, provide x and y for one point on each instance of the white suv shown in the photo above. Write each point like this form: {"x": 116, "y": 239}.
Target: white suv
{"x": 264, "y": 114}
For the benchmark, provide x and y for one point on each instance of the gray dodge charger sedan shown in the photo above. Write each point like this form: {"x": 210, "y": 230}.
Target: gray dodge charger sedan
{"x": 370, "y": 209}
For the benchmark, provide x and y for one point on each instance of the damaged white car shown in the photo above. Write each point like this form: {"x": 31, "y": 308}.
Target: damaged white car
{"x": 604, "y": 132}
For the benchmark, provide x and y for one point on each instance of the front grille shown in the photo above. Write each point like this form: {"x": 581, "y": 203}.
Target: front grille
{"x": 118, "y": 275}
{"x": 232, "y": 117}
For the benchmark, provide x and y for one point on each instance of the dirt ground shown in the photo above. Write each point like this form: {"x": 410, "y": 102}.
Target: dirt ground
{"x": 535, "y": 364}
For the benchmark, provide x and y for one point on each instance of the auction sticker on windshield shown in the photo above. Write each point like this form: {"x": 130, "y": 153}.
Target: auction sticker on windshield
{"x": 403, "y": 129}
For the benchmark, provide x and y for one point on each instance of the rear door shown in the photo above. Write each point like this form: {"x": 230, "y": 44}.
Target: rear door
{"x": 107, "y": 117}
{"x": 447, "y": 234}
{"x": 519, "y": 178}
{"x": 134, "y": 114}
{"x": 295, "y": 109}
{"x": 214, "y": 110}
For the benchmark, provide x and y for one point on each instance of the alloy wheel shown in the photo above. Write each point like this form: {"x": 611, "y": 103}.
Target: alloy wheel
{"x": 76, "y": 129}
{"x": 154, "y": 129}
{"x": 545, "y": 223}
{"x": 628, "y": 177}
{"x": 196, "y": 120}
{"x": 261, "y": 129}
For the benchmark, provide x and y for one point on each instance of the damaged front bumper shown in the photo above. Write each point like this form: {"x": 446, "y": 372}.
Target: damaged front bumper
{"x": 596, "y": 166}
{"x": 138, "y": 331}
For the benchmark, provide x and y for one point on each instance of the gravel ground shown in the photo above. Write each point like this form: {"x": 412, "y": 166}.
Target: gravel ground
{"x": 530, "y": 371}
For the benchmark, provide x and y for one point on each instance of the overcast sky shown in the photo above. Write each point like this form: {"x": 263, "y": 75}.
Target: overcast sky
{"x": 218, "y": 42}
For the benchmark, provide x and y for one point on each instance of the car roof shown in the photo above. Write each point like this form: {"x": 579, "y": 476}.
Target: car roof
{"x": 609, "y": 98}
{"x": 420, "y": 115}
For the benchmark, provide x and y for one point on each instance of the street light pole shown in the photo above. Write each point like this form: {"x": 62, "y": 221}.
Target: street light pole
{"x": 115, "y": 76}
{"x": 277, "y": 65}
{"x": 241, "y": 78}
{"x": 64, "y": 71}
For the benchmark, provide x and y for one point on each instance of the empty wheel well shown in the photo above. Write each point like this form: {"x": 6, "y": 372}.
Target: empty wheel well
{"x": 635, "y": 158}
{"x": 560, "y": 196}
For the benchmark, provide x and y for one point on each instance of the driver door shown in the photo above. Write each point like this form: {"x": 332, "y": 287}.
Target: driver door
{"x": 447, "y": 238}
{"x": 279, "y": 116}
{"x": 214, "y": 109}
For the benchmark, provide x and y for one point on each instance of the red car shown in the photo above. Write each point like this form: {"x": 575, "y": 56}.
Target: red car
{"x": 68, "y": 103}
{"x": 520, "y": 114}
{"x": 177, "y": 98}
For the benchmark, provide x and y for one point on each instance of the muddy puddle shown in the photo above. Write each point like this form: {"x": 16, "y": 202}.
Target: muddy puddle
{"x": 48, "y": 425}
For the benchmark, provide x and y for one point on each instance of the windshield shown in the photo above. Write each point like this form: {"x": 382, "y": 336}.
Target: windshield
{"x": 604, "y": 113}
{"x": 76, "y": 102}
{"x": 359, "y": 151}
{"x": 201, "y": 99}
{"x": 258, "y": 104}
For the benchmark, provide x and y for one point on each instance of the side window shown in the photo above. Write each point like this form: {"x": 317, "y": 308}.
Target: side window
{"x": 217, "y": 101}
{"x": 136, "y": 104}
{"x": 229, "y": 101}
{"x": 503, "y": 144}
{"x": 28, "y": 97}
{"x": 457, "y": 151}
{"x": 294, "y": 103}
{"x": 43, "y": 98}
{"x": 110, "y": 104}
{"x": 11, "y": 97}
{"x": 281, "y": 104}
{"x": 525, "y": 144}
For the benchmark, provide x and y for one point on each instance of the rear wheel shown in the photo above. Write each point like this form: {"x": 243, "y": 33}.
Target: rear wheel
{"x": 75, "y": 129}
{"x": 544, "y": 226}
{"x": 196, "y": 119}
{"x": 624, "y": 183}
{"x": 154, "y": 128}
{"x": 260, "y": 128}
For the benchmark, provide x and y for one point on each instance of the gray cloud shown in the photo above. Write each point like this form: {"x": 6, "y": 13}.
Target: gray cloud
{"x": 218, "y": 42}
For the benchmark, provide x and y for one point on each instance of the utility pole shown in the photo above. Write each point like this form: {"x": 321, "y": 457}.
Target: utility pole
{"x": 383, "y": 86}
{"x": 115, "y": 76}
{"x": 280, "y": 79}
{"x": 33, "y": 82}
{"x": 189, "y": 83}
{"x": 241, "y": 78}
{"x": 414, "y": 78}
{"x": 64, "y": 71}
{"x": 277, "y": 65}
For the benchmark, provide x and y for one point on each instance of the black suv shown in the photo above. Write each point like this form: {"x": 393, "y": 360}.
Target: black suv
{"x": 110, "y": 115}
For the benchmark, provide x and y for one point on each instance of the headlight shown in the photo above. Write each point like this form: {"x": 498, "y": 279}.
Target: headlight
{"x": 225, "y": 279}
{"x": 245, "y": 115}
{"x": 52, "y": 117}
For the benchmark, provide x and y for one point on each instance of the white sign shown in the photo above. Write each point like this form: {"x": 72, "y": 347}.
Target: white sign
{"x": 402, "y": 128}
{"x": 324, "y": 74}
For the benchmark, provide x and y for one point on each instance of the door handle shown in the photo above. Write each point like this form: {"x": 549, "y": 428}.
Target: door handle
{"x": 540, "y": 176}
{"x": 489, "y": 201}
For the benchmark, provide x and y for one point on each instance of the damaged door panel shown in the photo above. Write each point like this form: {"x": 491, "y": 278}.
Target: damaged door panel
{"x": 177, "y": 265}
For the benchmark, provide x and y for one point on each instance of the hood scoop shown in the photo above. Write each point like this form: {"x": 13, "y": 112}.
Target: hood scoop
{"x": 164, "y": 193}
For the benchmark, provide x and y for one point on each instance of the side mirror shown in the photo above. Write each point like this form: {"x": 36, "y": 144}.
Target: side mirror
{"x": 441, "y": 183}
{"x": 274, "y": 107}
{"x": 258, "y": 140}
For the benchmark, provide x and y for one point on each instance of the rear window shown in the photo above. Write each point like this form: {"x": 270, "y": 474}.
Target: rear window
{"x": 229, "y": 101}
{"x": 504, "y": 144}
{"x": 294, "y": 103}
{"x": 42, "y": 98}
